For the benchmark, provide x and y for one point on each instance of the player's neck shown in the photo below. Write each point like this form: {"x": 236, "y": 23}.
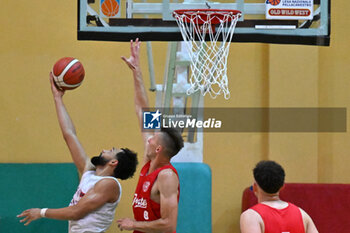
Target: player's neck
{"x": 101, "y": 171}
{"x": 158, "y": 162}
{"x": 273, "y": 201}
{"x": 269, "y": 198}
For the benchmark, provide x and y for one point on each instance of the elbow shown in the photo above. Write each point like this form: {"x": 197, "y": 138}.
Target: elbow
{"x": 75, "y": 218}
{"x": 137, "y": 108}
{"x": 67, "y": 135}
{"x": 76, "y": 215}
{"x": 171, "y": 229}
{"x": 168, "y": 226}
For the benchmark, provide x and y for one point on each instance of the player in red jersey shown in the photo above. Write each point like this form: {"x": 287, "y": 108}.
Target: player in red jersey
{"x": 272, "y": 215}
{"x": 156, "y": 197}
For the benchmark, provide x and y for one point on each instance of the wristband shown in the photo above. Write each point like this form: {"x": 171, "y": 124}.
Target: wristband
{"x": 42, "y": 212}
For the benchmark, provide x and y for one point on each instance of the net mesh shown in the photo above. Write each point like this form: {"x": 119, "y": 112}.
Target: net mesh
{"x": 208, "y": 59}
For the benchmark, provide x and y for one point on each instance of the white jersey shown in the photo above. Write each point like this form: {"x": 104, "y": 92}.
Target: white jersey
{"x": 100, "y": 219}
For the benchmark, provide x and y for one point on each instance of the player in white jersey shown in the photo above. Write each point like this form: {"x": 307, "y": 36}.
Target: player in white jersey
{"x": 93, "y": 205}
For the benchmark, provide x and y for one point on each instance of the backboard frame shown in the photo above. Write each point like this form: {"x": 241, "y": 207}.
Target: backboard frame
{"x": 150, "y": 29}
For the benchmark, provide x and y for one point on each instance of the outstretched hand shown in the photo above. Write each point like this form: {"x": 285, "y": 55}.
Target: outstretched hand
{"x": 55, "y": 91}
{"x": 133, "y": 61}
{"x": 29, "y": 215}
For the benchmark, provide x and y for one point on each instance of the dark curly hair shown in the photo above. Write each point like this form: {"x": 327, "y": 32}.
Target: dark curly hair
{"x": 172, "y": 141}
{"x": 127, "y": 162}
{"x": 269, "y": 175}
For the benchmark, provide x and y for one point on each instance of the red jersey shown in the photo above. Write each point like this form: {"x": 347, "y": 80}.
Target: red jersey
{"x": 287, "y": 220}
{"x": 143, "y": 207}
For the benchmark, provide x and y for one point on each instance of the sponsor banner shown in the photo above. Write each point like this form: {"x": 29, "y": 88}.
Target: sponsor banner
{"x": 246, "y": 119}
{"x": 289, "y": 9}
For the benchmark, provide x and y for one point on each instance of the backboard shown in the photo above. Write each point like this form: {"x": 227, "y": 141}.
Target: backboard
{"x": 267, "y": 21}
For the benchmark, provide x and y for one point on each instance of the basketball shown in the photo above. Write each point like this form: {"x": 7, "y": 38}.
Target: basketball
{"x": 68, "y": 73}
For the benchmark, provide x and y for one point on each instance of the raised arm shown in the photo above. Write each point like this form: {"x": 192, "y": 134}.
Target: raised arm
{"x": 140, "y": 95}
{"x": 168, "y": 187}
{"x": 78, "y": 154}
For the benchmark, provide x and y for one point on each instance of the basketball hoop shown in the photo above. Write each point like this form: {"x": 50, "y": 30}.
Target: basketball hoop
{"x": 208, "y": 60}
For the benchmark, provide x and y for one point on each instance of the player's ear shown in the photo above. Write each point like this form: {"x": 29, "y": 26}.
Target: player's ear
{"x": 114, "y": 162}
{"x": 159, "y": 148}
{"x": 255, "y": 187}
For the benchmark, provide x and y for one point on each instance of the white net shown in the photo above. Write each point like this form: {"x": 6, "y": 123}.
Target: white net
{"x": 208, "y": 59}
